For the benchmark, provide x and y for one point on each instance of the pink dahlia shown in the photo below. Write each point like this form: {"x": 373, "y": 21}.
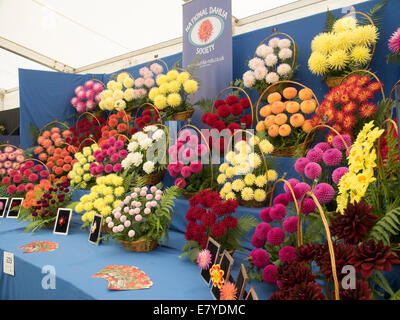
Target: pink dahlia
{"x": 315, "y": 155}
{"x": 394, "y": 42}
{"x": 287, "y": 254}
{"x": 265, "y": 215}
{"x": 259, "y": 258}
{"x": 312, "y": 170}
{"x": 196, "y": 166}
{"x": 332, "y": 157}
{"x": 338, "y": 143}
{"x": 269, "y": 274}
{"x": 277, "y": 212}
{"x": 276, "y": 236}
{"x": 292, "y": 182}
{"x": 257, "y": 242}
{"x": 323, "y": 146}
{"x": 204, "y": 259}
{"x": 290, "y": 224}
{"x": 180, "y": 183}
{"x": 300, "y": 189}
{"x": 308, "y": 206}
{"x": 324, "y": 193}
{"x": 300, "y": 164}
{"x": 338, "y": 173}
{"x": 282, "y": 199}
{"x": 262, "y": 231}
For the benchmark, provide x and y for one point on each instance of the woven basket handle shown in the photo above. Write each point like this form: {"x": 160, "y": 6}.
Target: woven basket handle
{"x": 369, "y": 73}
{"x": 328, "y": 238}
{"x": 88, "y": 113}
{"x": 389, "y": 110}
{"x": 84, "y": 140}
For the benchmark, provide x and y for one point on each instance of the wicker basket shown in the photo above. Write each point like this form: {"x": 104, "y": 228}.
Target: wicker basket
{"x": 182, "y": 116}
{"x": 49, "y": 225}
{"x": 154, "y": 178}
{"x": 253, "y": 203}
{"x": 188, "y": 195}
{"x": 291, "y": 151}
{"x": 139, "y": 246}
{"x": 105, "y": 229}
{"x": 333, "y": 82}
{"x": 98, "y": 114}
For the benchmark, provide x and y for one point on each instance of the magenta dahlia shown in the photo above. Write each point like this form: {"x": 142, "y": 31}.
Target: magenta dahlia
{"x": 394, "y": 42}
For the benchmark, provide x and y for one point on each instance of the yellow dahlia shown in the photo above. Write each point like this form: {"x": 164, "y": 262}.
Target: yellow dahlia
{"x": 272, "y": 175}
{"x": 249, "y": 179}
{"x": 160, "y": 102}
{"x": 261, "y": 181}
{"x": 345, "y": 24}
{"x": 318, "y": 63}
{"x": 190, "y": 86}
{"x": 366, "y": 35}
{"x": 260, "y": 195}
{"x": 360, "y": 54}
{"x": 338, "y": 59}
{"x": 322, "y": 43}
{"x": 247, "y": 194}
{"x": 238, "y": 185}
{"x": 174, "y": 99}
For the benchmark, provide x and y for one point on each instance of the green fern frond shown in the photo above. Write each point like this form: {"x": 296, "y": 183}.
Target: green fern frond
{"x": 376, "y": 14}
{"x": 387, "y": 226}
{"x": 330, "y": 21}
{"x": 205, "y": 104}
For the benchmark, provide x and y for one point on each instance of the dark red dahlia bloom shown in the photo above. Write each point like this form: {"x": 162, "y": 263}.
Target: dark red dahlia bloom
{"x": 361, "y": 292}
{"x": 246, "y": 119}
{"x": 236, "y": 109}
{"x": 218, "y": 230}
{"x": 373, "y": 255}
{"x": 343, "y": 255}
{"x": 208, "y": 219}
{"x": 233, "y": 126}
{"x": 194, "y": 213}
{"x": 291, "y": 273}
{"x": 227, "y": 207}
{"x": 223, "y": 111}
{"x": 306, "y": 291}
{"x": 218, "y": 103}
{"x": 231, "y": 99}
{"x": 245, "y": 103}
{"x": 354, "y": 224}
{"x": 280, "y": 295}
{"x": 306, "y": 253}
{"x": 230, "y": 222}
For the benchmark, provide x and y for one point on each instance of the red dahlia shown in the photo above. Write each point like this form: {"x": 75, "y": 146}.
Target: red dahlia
{"x": 291, "y": 273}
{"x": 354, "y": 224}
{"x": 361, "y": 292}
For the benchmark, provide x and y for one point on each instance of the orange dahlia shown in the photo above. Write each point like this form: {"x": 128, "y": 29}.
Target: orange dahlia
{"x": 367, "y": 110}
{"x": 228, "y": 291}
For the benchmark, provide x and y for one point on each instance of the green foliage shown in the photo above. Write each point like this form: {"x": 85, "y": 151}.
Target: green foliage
{"x": 387, "y": 226}
{"x": 233, "y": 237}
{"x": 380, "y": 115}
{"x": 378, "y": 278}
{"x": 393, "y": 58}
{"x": 395, "y": 296}
{"x": 330, "y": 21}
{"x": 4, "y": 193}
{"x": 191, "y": 248}
{"x": 34, "y": 132}
{"x": 205, "y": 104}
{"x": 376, "y": 15}
{"x": 391, "y": 167}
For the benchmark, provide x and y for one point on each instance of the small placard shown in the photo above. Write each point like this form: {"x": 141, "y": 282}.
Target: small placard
{"x": 252, "y": 295}
{"x": 214, "y": 247}
{"x": 3, "y": 206}
{"x": 14, "y": 208}
{"x": 8, "y": 263}
{"x": 61, "y": 226}
{"x": 95, "y": 229}
{"x": 241, "y": 282}
{"x": 226, "y": 263}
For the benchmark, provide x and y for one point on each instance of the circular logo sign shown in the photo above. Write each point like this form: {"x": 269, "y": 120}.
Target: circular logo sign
{"x": 206, "y": 30}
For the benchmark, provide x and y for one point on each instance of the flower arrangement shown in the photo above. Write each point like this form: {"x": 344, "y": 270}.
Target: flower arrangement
{"x": 345, "y": 48}
{"x": 243, "y": 175}
{"x": 44, "y": 213}
{"x": 149, "y": 116}
{"x": 271, "y": 63}
{"x": 171, "y": 93}
{"x": 210, "y": 216}
{"x": 285, "y": 121}
{"x": 87, "y": 96}
{"x": 18, "y": 182}
{"x": 146, "y": 152}
{"x": 394, "y": 47}
{"x": 81, "y": 175}
{"x": 117, "y": 126}
{"x": 144, "y": 215}
{"x": 349, "y": 106}
{"x": 325, "y": 162}
{"x": 10, "y": 158}
{"x": 85, "y": 129}
{"x": 57, "y": 156}
{"x": 34, "y": 195}
{"x": 105, "y": 195}
{"x": 275, "y": 238}
{"x": 362, "y": 161}
{"x": 296, "y": 279}
{"x": 118, "y": 93}
{"x": 185, "y": 163}
{"x": 108, "y": 157}
{"x": 229, "y": 114}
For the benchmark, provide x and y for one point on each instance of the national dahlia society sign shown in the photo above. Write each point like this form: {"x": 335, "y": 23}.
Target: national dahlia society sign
{"x": 207, "y": 45}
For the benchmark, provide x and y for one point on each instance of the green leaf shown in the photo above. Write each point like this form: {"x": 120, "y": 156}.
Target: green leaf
{"x": 330, "y": 21}
{"x": 376, "y": 14}
{"x": 395, "y": 296}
